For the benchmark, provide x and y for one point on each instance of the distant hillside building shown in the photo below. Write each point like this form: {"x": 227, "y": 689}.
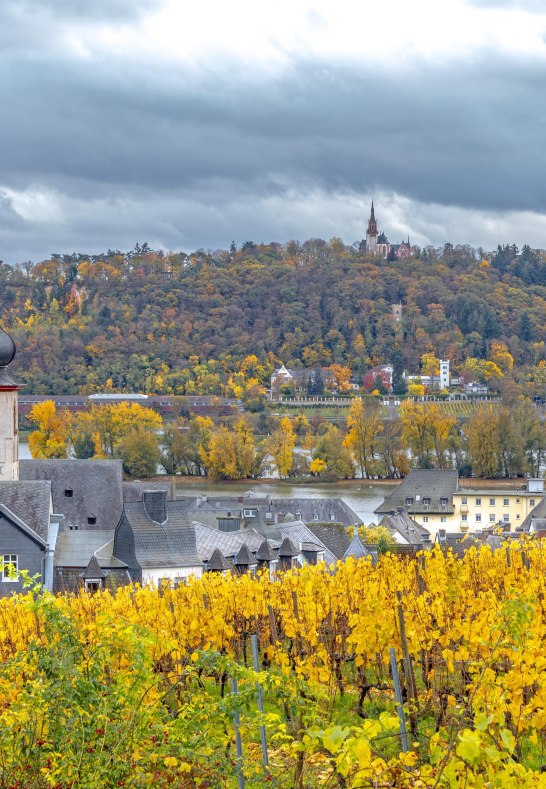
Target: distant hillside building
{"x": 378, "y": 243}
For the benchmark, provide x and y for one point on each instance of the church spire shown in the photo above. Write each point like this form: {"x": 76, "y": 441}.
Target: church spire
{"x": 371, "y": 233}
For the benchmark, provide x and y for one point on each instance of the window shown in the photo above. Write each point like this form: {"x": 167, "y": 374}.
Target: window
{"x": 10, "y": 567}
{"x": 478, "y": 518}
{"x": 69, "y": 493}
{"x": 491, "y": 502}
{"x": 426, "y": 500}
{"x": 443, "y": 501}
{"x": 425, "y": 518}
{"x": 478, "y": 502}
{"x": 443, "y": 519}
{"x": 464, "y": 500}
{"x": 315, "y": 516}
{"x": 506, "y": 517}
{"x": 91, "y": 520}
{"x": 492, "y": 517}
{"x": 464, "y": 518}
{"x": 505, "y": 502}
{"x": 332, "y": 516}
{"x": 298, "y": 516}
{"x": 531, "y": 502}
{"x": 249, "y": 513}
{"x": 409, "y": 501}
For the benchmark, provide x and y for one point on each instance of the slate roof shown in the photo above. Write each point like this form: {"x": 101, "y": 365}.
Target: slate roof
{"x": 30, "y": 501}
{"x": 96, "y": 487}
{"x": 264, "y": 552}
{"x": 434, "y": 484}
{"x": 333, "y": 536}
{"x": 93, "y": 570}
{"x": 410, "y": 530}
{"x": 356, "y": 549}
{"x": 207, "y": 509}
{"x": 243, "y": 557}
{"x": 287, "y": 548}
{"x": 170, "y": 544}
{"x": 228, "y": 542}
{"x": 538, "y": 513}
{"x": 75, "y": 548}
{"x": 11, "y": 516}
{"x": 132, "y": 491}
{"x": 298, "y": 533}
{"x": 217, "y": 561}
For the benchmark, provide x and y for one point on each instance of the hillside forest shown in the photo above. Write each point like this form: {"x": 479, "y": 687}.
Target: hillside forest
{"x": 175, "y": 323}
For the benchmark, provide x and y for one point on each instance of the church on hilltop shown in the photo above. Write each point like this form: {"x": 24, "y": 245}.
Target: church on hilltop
{"x": 378, "y": 244}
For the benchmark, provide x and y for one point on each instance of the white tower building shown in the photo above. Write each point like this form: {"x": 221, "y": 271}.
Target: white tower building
{"x": 444, "y": 374}
{"x": 9, "y": 431}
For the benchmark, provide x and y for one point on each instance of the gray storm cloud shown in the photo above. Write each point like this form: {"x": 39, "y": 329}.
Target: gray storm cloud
{"x": 186, "y": 156}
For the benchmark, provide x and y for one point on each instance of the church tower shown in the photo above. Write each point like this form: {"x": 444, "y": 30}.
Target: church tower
{"x": 9, "y": 430}
{"x": 371, "y": 233}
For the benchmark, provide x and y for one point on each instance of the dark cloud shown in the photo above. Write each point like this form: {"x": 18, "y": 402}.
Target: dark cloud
{"x": 110, "y": 137}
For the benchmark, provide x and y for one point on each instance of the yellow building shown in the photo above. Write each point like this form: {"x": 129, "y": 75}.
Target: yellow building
{"x": 476, "y": 509}
{"x": 434, "y": 499}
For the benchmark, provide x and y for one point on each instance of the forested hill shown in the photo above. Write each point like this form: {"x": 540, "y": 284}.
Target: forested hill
{"x": 162, "y": 322}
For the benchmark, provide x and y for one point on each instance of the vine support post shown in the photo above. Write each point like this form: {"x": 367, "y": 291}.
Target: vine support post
{"x": 260, "y": 697}
{"x": 238, "y": 743}
{"x": 399, "y": 701}
{"x": 408, "y": 667}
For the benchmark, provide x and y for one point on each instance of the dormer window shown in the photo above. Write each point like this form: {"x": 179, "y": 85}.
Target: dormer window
{"x": 91, "y": 520}
{"x": 409, "y": 501}
{"x": 426, "y": 500}
{"x": 443, "y": 502}
{"x": 69, "y": 493}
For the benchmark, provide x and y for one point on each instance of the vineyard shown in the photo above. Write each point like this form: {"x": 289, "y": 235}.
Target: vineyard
{"x": 146, "y": 687}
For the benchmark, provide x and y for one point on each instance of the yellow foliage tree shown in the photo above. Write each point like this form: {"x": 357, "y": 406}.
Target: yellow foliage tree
{"x": 281, "y": 447}
{"x": 50, "y": 440}
{"x": 364, "y": 425}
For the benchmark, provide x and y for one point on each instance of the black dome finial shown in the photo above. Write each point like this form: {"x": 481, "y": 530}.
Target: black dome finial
{"x": 7, "y": 349}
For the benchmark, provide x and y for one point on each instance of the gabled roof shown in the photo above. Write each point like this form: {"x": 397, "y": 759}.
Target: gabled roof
{"x": 264, "y": 552}
{"x": 96, "y": 487}
{"x": 11, "y": 516}
{"x": 75, "y": 548}
{"x": 30, "y": 501}
{"x": 217, "y": 561}
{"x": 334, "y": 536}
{"x": 420, "y": 483}
{"x": 243, "y": 557}
{"x": 356, "y": 549}
{"x": 228, "y": 542}
{"x": 411, "y": 531}
{"x": 537, "y": 513}
{"x": 93, "y": 570}
{"x": 287, "y": 548}
{"x": 168, "y": 544}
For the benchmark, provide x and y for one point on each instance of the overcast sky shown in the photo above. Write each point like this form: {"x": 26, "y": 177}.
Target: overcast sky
{"x": 189, "y": 124}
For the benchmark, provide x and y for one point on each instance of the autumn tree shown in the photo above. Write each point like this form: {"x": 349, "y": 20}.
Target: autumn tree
{"x": 139, "y": 452}
{"x": 416, "y": 433}
{"x": 342, "y": 376}
{"x": 281, "y": 445}
{"x": 51, "y": 438}
{"x": 184, "y": 444}
{"x": 332, "y": 451}
{"x": 482, "y": 433}
{"x": 364, "y": 425}
{"x": 113, "y": 422}
{"x": 232, "y": 452}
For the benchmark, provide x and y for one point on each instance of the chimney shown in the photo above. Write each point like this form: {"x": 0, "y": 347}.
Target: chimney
{"x": 155, "y": 504}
